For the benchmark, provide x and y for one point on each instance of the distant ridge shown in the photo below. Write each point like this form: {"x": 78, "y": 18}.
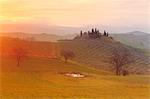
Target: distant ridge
{"x": 34, "y": 37}
{"x": 137, "y": 33}
{"x": 136, "y": 39}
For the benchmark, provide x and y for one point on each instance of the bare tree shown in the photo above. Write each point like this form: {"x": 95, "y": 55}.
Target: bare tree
{"x": 67, "y": 54}
{"x": 120, "y": 57}
{"x": 19, "y": 54}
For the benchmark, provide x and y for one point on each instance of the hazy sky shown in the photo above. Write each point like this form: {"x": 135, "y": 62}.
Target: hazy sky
{"x": 121, "y": 13}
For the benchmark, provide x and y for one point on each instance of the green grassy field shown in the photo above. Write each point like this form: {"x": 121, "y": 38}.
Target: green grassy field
{"x": 42, "y": 78}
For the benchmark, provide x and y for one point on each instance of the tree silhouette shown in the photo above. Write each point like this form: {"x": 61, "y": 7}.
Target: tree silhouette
{"x": 67, "y": 54}
{"x": 105, "y": 33}
{"x": 120, "y": 57}
{"x": 19, "y": 54}
{"x": 81, "y": 33}
{"x": 92, "y": 30}
{"x": 95, "y": 30}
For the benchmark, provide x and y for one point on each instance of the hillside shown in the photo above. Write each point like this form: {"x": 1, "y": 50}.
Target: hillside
{"x": 33, "y": 48}
{"x": 136, "y": 39}
{"x": 34, "y": 37}
{"x": 96, "y": 52}
{"x": 93, "y": 52}
{"x": 42, "y": 74}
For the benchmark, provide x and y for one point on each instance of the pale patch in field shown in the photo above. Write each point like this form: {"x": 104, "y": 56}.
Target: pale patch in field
{"x": 76, "y": 75}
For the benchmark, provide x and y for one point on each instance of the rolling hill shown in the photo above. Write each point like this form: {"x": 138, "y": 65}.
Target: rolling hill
{"x": 96, "y": 53}
{"x": 33, "y": 48}
{"x": 42, "y": 74}
{"x": 33, "y": 37}
{"x": 136, "y": 39}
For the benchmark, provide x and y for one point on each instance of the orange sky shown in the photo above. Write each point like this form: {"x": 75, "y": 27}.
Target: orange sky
{"x": 75, "y": 12}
